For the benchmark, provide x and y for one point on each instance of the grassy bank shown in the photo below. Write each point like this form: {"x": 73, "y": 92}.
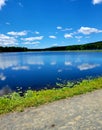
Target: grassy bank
{"x": 15, "y": 102}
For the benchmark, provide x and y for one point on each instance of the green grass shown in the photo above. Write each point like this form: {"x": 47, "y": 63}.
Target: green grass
{"x": 15, "y": 102}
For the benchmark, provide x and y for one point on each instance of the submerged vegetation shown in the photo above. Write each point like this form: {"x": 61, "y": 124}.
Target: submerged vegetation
{"x": 15, "y": 102}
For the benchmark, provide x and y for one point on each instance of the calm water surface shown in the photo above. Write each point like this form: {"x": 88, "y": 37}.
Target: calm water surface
{"x": 43, "y": 69}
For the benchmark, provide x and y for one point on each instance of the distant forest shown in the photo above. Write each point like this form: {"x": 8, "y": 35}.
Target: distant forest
{"x": 89, "y": 46}
{"x": 13, "y": 49}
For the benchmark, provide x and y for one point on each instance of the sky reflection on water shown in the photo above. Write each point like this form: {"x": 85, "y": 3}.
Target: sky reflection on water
{"x": 43, "y": 69}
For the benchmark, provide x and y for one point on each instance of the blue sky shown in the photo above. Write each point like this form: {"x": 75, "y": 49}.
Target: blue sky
{"x": 46, "y": 23}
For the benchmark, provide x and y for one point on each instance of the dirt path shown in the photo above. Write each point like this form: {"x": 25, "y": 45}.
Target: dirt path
{"x": 78, "y": 113}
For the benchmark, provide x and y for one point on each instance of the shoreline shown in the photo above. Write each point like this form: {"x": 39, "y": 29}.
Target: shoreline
{"x": 15, "y": 102}
{"x": 53, "y": 51}
{"x": 78, "y": 113}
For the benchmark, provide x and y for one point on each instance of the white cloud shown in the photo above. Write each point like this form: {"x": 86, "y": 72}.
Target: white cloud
{"x": 2, "y": 3}
{"x": 20, "y": 68}
{"x": 87, "y": 66}
{"x": 2, "y": 77}
{"x": 67, "y": 29}
{"x": 68, "y": 35}
{"x": 36, "y": 32}
{"x": 59, "y": 27}
{"x": 88, "y": 30}
{"x": 53, "y": 37}
{"x": 36, "y": 42}
{"x": 96, "y": 1}
{"x": 22, "y": 33}
{"x": 7, "y": 40}
{"x": 30, "y": 39}
{"x": 79, "y": 38}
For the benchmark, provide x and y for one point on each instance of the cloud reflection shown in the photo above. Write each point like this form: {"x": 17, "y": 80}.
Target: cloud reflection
{"x": 7, "y": 61}
{"x": 34, "y": 60}
{"x": 68, "y": 63}
{"x": 53, "y": 63}
{"x": 87, "y": 66}
{"x": 60, "y": 70}
{"x": 2, "y": 77}
{"x": 14, "y": 62}
{"x": 20, "y": 68}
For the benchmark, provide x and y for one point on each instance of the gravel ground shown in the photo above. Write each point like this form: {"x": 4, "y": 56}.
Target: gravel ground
{"x": 78, "y": 113}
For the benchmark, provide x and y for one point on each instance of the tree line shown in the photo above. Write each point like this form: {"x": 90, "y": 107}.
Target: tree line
{"x": 89, "y": 46}
{"x": 13, "y": 49}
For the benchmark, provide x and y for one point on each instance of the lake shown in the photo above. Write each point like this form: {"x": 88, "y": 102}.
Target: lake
{"x": 38, "y": 70}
